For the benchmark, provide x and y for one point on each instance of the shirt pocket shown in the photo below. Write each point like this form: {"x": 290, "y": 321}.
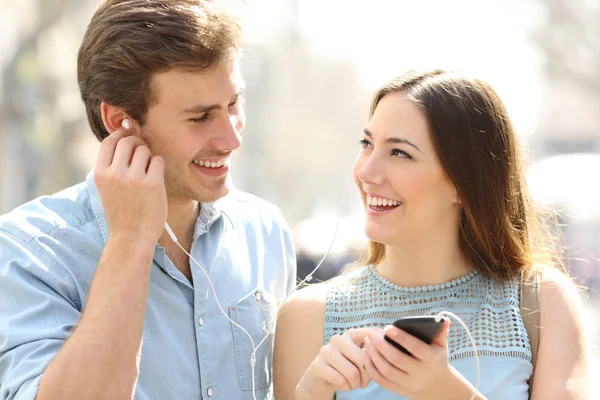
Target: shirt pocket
{"x": 255, "y": 313}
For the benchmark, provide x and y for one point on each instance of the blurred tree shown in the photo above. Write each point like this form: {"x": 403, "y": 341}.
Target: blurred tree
{"x": 35, "y": 130}
{"x": 306, "y": 111}
{"x": 569, "y": 39}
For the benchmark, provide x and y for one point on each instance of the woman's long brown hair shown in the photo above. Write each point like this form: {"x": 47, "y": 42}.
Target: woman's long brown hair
{"x": 501, "y": 233}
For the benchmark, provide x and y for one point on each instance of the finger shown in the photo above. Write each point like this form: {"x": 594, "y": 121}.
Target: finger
{"x": 384, "y": 368}
{"x": 380, "y": 379}
{"x": 442, "y": 338}
{"x": 394, "y": 356}
{"x": 331, "y": 376}
{"x": 108, "y": 147}
{"x": 349, "y": 370}
{"x": 356, "y": 356}
{"x": 419, "y": 349}
{"x": 349, "y": 349}
{"x": 371, "y": 369}
{"x": 156, "y": 169}
{"x": 124, "y": 151}
{"x": 140, "y": 160}
{"x": 365, "y": 378}
{"x": 358, "y": 335}
{"x": 358, "y": 338}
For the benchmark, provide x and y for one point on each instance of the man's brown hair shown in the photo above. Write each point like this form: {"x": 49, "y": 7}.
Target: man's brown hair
{"x": 128, "y": 41}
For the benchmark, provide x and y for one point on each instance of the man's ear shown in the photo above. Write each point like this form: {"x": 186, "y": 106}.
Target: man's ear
{"x": 113, "y": 117}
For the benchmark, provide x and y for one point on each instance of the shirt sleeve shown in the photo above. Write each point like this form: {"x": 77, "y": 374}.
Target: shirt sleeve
{"x": 39, "y": 308}
{"x": 290, "y": 260}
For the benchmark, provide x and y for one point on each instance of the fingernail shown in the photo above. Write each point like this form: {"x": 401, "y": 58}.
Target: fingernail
{"x": 392, "y": 333}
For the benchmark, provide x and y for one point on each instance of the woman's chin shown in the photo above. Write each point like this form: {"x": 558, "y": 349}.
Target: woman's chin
{"x": 376, "y": 235}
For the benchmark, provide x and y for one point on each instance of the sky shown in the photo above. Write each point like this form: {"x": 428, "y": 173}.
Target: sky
{"x": 383, "y": 38}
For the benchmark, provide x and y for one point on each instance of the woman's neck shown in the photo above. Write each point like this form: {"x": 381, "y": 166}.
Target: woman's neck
{"x": 421, "y": 265}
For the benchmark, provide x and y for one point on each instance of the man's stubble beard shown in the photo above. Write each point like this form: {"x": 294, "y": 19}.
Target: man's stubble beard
{"x": 175, "y": 188}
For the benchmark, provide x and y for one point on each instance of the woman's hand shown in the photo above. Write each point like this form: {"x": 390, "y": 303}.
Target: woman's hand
{"x": 339, "y": 365}
{"x": 424, "y": 375}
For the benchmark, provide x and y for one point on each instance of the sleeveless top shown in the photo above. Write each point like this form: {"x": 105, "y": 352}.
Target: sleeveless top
{"x": 489, "y": 308}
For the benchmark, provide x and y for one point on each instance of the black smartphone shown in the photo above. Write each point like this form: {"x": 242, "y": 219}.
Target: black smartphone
{"x": 424, "y": 328}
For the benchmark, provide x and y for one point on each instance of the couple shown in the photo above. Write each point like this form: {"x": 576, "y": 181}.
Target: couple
{"x": 98, "y": 300}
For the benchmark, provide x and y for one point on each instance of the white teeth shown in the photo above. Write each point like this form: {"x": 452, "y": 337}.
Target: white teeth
{"x": 211, "y": 164}
{"x": 380, "y": 201}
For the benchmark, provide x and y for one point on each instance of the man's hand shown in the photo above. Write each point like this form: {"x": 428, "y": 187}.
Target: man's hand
{"x": 131, "y": 185}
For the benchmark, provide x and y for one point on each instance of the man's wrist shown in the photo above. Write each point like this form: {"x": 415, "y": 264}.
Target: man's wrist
{"x": 131, "y": 242}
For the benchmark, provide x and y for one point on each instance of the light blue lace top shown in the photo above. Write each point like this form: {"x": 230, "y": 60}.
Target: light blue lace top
{"x": 490, "y": 309}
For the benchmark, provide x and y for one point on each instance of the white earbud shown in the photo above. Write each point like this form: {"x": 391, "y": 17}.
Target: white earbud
{"x": 170, "y": 231}
{"x": 125, "y": 124}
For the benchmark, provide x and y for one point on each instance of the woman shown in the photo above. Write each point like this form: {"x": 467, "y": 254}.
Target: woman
{"x": 451, "y": 227}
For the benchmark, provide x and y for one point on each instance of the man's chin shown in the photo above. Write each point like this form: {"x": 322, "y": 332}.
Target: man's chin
{"x": 201, "y": 195}
{"x": 210, "y": 196}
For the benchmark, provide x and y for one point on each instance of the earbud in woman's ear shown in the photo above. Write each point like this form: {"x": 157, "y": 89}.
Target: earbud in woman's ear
{"x": 125, "y": 124}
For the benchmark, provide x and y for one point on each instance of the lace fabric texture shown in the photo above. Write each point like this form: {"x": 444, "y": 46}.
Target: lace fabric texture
{"x": 490, "y": 309}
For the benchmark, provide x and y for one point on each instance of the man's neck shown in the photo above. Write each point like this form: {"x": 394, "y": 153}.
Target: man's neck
{"x": 181, "y": 218}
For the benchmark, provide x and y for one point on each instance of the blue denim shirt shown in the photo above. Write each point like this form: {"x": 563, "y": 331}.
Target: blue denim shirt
{"x": 49, "y": 249}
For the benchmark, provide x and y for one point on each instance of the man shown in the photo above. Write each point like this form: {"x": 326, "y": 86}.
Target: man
{"x": 96, "y": 300}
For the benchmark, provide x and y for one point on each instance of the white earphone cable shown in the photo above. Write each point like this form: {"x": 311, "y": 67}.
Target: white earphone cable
{"x": 473, "y": 344}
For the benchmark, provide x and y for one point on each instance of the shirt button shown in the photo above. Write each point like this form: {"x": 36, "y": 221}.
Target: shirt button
{"x": 258, "y": 296}
{"x": 209, "y": 392}
{"x": 200, "y": 321}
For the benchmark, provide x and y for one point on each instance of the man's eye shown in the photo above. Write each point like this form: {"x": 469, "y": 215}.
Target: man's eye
{"x": 200, "y": 120}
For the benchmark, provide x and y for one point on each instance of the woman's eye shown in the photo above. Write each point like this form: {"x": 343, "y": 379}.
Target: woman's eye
{"x": 364, "y": 143}
{"x": 401, "y": 154}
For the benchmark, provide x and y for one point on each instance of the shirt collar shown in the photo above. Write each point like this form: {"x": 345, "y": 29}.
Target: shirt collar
{"x": 209, "y": 212}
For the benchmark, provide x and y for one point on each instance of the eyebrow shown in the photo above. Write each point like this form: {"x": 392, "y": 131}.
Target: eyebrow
{"x": 393, "y": 140}
{"x": 202, "y": 108}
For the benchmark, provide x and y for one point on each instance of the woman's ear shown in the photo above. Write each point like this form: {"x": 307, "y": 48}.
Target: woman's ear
{"x": 457, "y": 199}
{"x": 113, "y": 117}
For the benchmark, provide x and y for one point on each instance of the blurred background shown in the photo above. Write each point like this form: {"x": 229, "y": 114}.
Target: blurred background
{"x": 310, "y": 68}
